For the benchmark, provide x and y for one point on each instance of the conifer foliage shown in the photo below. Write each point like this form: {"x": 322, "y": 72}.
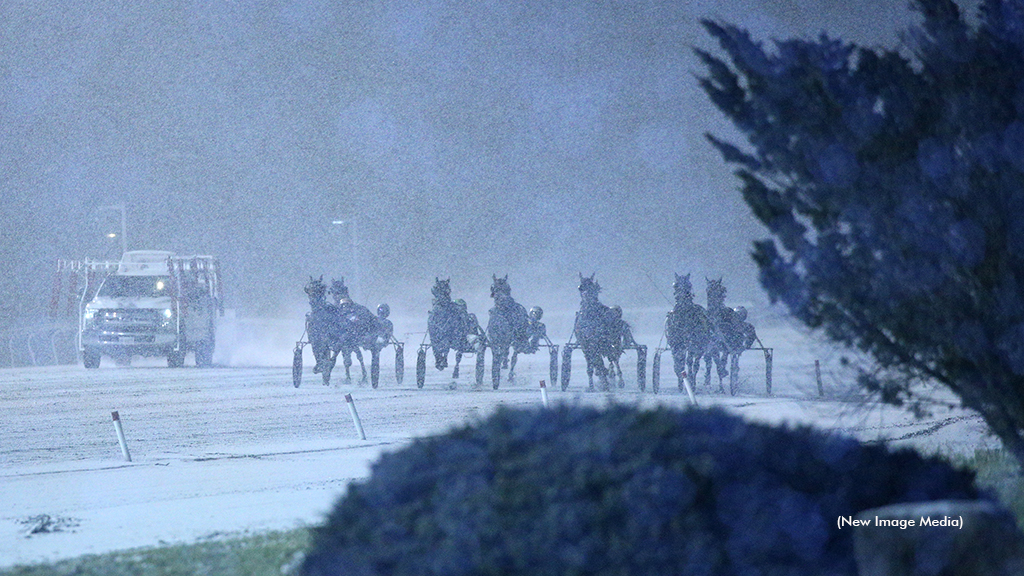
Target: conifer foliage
{"x": 892, "y": 183}
{"x": 577, "y": 490}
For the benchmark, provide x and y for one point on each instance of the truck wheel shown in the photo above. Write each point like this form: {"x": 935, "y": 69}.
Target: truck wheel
{"x": 91, "y": 358}
{"x": 204, "y": 354}
{"x": 176, "y": 359}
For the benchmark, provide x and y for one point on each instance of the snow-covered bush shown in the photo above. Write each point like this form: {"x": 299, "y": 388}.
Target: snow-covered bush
{"x": 620, "y": 491}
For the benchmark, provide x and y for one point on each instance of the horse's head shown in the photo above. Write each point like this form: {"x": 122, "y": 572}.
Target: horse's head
{"x": 683, "y": 288}
{"x": 716, "y": 293}
{"x": 338, "y": 290}
{"x": 589, "y": 287}
{"x": 442, "y": 290}
{"x": 500, "y": 287}
{"x": 315, "y": 288}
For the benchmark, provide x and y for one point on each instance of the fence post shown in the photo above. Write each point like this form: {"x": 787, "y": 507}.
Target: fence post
{"x": 120, "y": 435}
{"x": 768, "y": 354}
{"x": 817, "y": 378}
{"x": 355, "y": 416}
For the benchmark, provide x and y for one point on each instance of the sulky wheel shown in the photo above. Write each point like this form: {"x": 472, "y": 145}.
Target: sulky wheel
{"x": 566, "y": 366}
{"x": 374, "y": 367}
{"x": 399, "y": 363}
{"x": 297, "y": 366}
{"x": 656, "y": 372}
{"x": 481, "y": 367}
{"x": 553, "y": 367}
{"x": 421, "y": 367}
{"x": 641, "y": 367}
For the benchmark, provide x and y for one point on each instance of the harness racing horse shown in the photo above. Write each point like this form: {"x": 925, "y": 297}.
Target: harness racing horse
{"x": 333, "y": 329}
{"x": 688, "y": 331}
{"x": 598, "y": 331}
{"x": 322, "y": 328}
{"x": 358, "y": 328}
{"x": 508, "y": 328}
{"x": 451, "y": 327}
{"x": 731, "y": 335}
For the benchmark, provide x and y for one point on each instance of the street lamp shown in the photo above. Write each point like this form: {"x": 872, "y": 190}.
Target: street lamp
{"x": 355, "y": 255}
{"x": 124, "y": 225}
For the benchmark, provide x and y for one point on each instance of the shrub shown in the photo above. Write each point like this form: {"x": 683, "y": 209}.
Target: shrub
{"x": 576, "y": 490}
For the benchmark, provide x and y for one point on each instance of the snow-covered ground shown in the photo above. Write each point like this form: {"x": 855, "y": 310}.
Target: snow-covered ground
{"x": 237, "y": 449}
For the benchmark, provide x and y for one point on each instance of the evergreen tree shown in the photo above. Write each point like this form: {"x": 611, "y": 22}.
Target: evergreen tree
{"x": 893, "y": 186}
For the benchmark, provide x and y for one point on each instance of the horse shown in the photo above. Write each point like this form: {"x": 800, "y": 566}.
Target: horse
{"x": 731, "y": 335}
{"x": 688, "y": 331}
{"x": 451, "y": 327}
{"x": 322, "y": 328}
{"x": 358, "y": 328}
{"x": 508, "y": 328}
{"x": 598, "y": 332}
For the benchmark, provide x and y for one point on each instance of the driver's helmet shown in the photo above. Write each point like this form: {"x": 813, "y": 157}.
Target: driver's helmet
{"x": 741, "y": 313}
{"x": 535, "y": 313}
{"x": 617, "y": 312}
{"x": 383, "y": 310}
{"x": 338, "y": 289}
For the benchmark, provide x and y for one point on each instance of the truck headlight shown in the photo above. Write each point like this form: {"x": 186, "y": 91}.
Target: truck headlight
{"x": 168, "y": 313}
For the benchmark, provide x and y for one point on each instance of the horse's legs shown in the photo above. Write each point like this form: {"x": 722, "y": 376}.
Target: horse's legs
{"x": 512, "y": 366}
{"x": 362, "y": 366}
{"x": 348, "y": 363}
{"x": 734, "y": 370}
{"x": 617, "y": 373}
{"x": 458, "y": 359}
{"x": 441, "y": 358}
{"x": 692, "y": 367}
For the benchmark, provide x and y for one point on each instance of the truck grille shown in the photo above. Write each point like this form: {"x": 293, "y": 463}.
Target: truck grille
{"x": 129, "y": 320}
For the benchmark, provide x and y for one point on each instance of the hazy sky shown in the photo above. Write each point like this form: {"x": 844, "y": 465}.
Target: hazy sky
{"x": 537, "y": 138}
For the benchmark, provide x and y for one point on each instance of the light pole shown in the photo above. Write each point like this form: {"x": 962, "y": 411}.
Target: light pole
{"x": 124, "y": 224}
{"x": 353, "y": 291}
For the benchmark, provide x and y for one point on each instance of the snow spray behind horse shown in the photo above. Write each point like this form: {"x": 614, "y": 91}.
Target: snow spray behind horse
{"x": 601, "y": 334}
{"x": 511, "y": 329}
{"x": 450, "y": 326}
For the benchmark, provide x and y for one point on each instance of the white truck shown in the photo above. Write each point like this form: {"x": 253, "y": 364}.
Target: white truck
{"x": 150, "y": 303}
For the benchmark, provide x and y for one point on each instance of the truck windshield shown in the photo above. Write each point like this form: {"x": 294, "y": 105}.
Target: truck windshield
{"x": 136, "y": 286}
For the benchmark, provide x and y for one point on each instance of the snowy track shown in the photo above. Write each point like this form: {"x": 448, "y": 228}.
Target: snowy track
{"x": 233, "y": 450}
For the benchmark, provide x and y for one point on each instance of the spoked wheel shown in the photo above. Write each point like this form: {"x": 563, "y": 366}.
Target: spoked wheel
{"x": 656, "y": 372}
{"x": 374, "y": 367}
{"x": 641, "y": 367}
{"x": 566, "y": 366}
{"x": 481, "y": 367}
{"x": 421, "y": 367}
{"x": 297, "y": 366}
{"x": 553, "y": 367}
{"x": 399, "y": 363}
